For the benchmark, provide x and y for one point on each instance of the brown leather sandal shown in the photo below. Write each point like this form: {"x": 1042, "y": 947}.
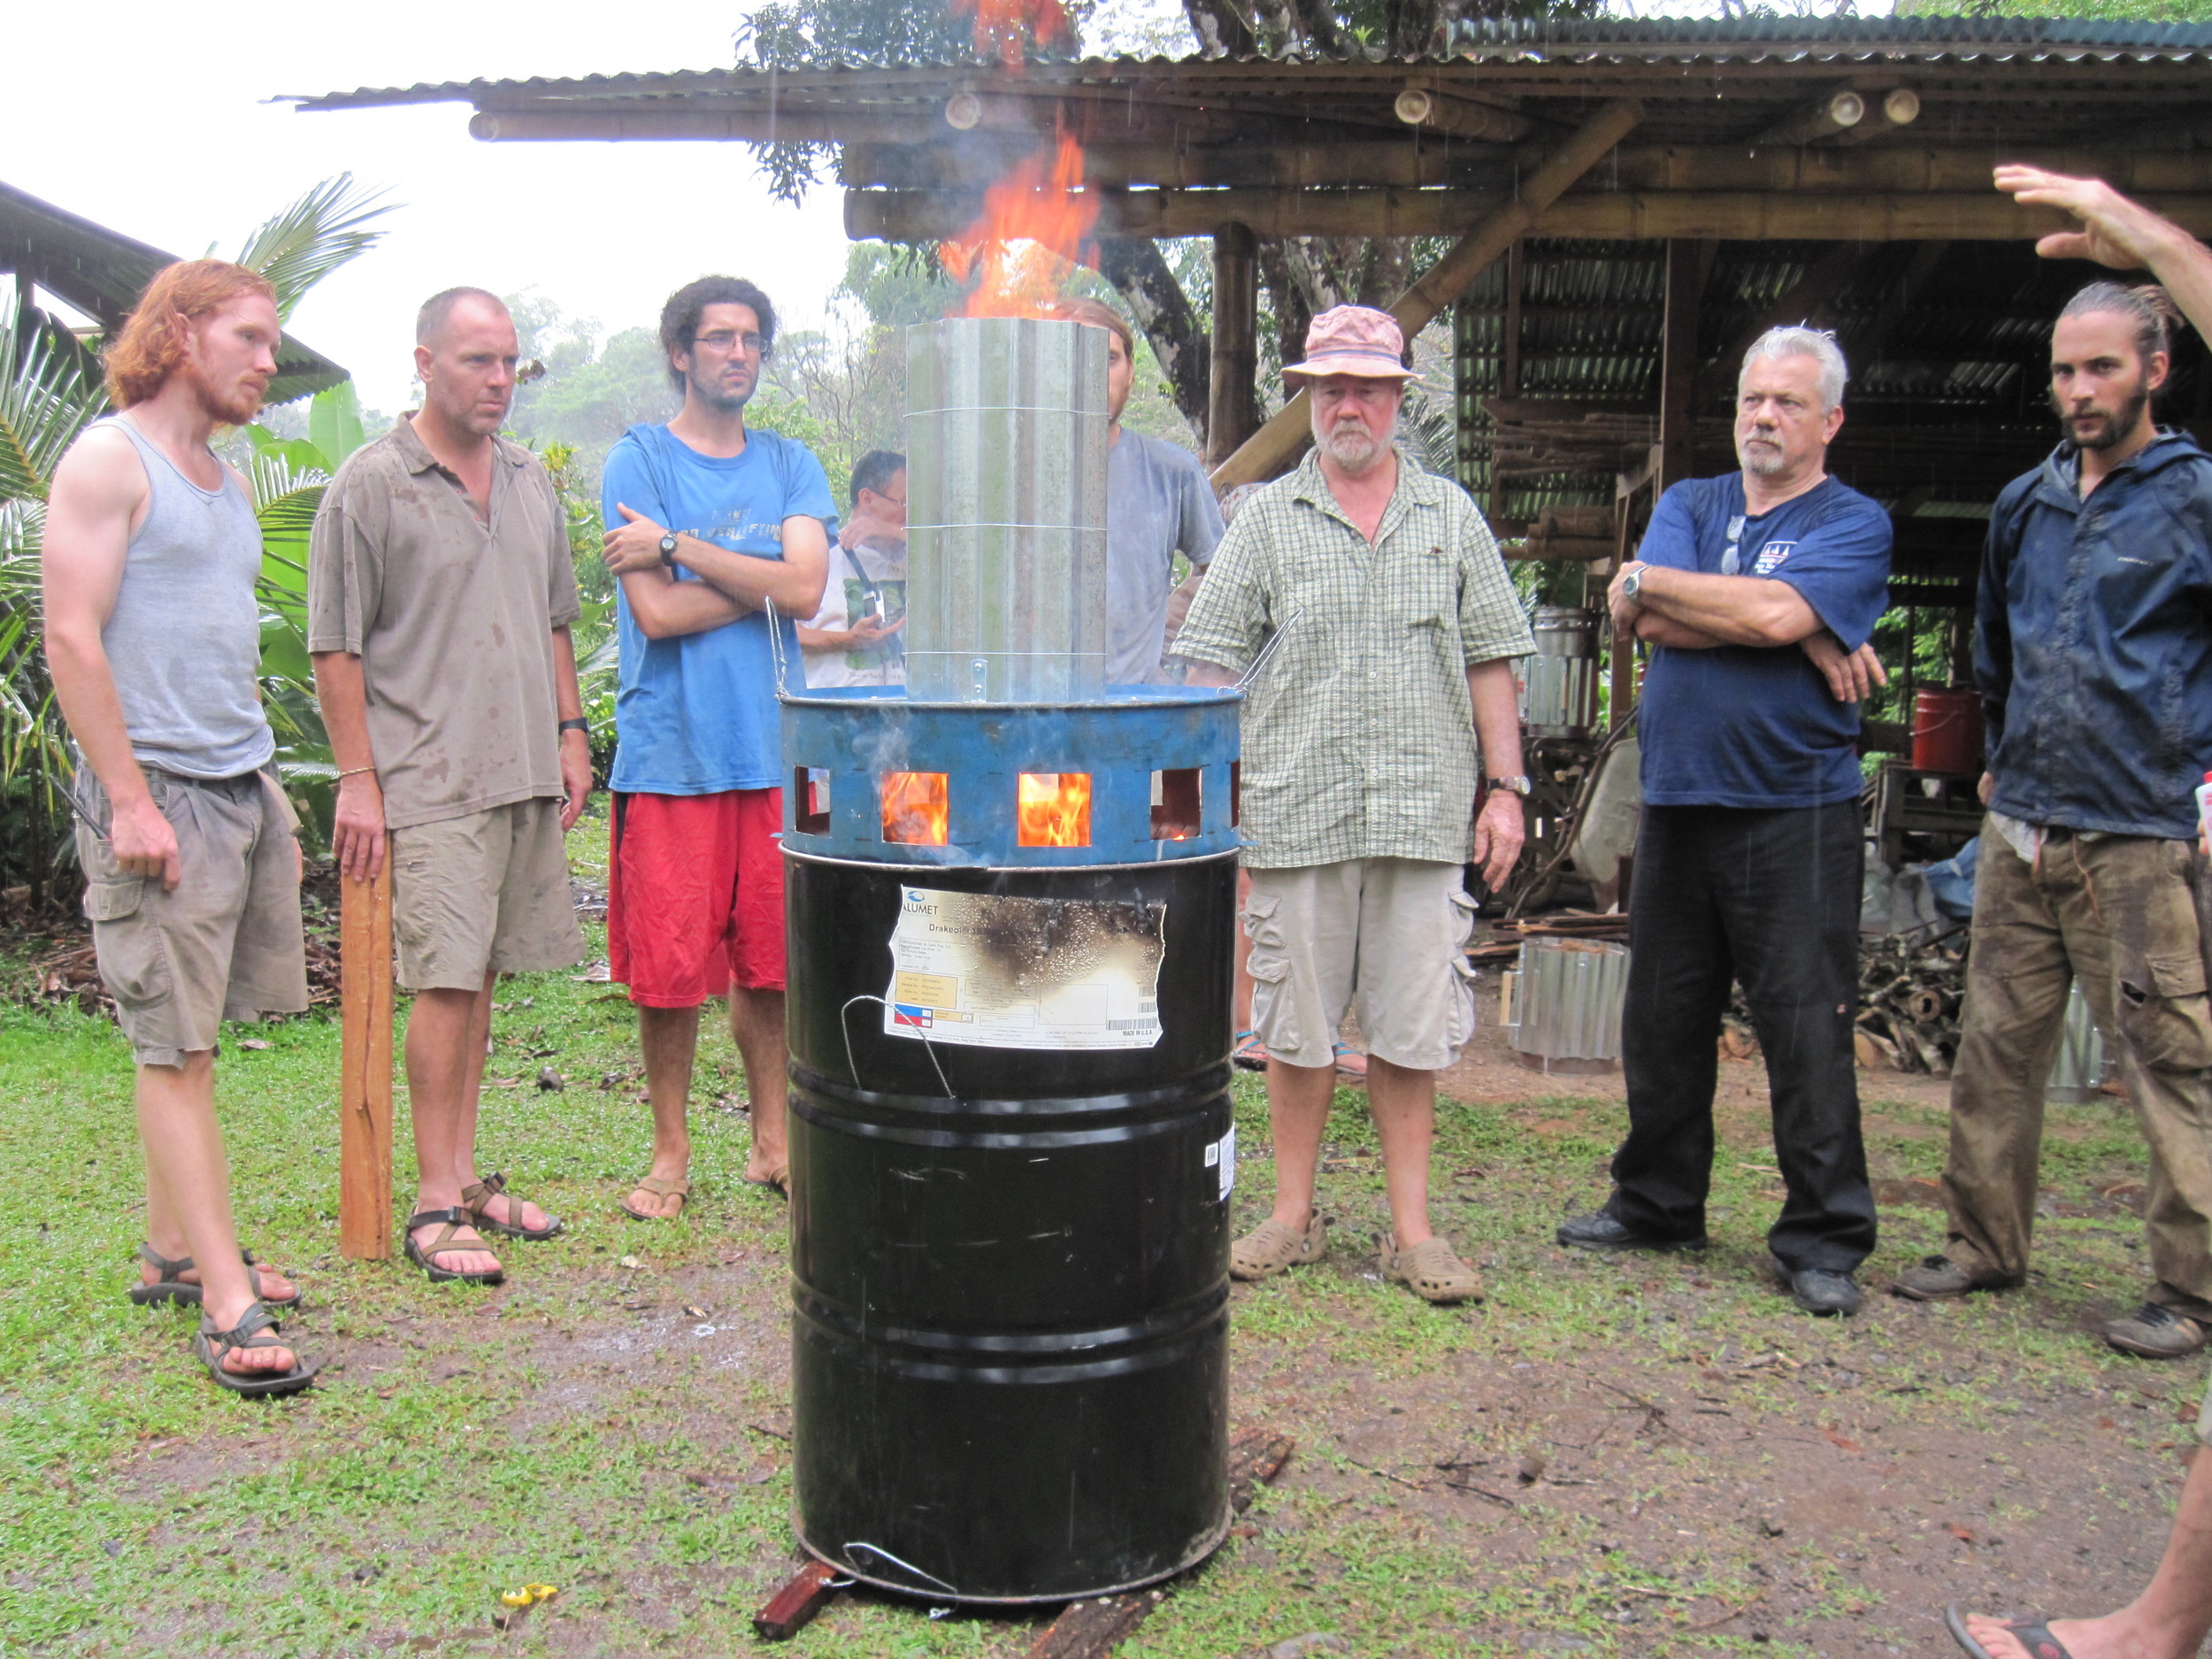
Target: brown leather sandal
{"x": 425, "y": 1257}
{"x": 259, "y": 1328}
{"x": 679, "y": 1187}
{"x": 1270, "y": 1247}
{"x": 170, "y": 1287}
{"x": 478, "y": 1193}
{"x": 1432, "y": 1269}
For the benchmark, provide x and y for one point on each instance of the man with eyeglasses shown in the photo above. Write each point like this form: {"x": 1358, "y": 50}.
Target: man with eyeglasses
{"x": 718, "y": 536}
{"x": 1757, "y": 593}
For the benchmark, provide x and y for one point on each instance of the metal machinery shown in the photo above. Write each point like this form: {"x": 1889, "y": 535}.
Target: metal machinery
{"x": 1559, "y": 717}
{"x": 1010, "y": 891}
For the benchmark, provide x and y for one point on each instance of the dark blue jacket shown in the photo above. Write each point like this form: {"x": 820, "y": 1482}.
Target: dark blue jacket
{"x": 2094, "y": 646}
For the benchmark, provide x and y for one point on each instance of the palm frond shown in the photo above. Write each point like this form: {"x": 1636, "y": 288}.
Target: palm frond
{"x": 22, "y": 533}
{"x": 312, "y": 237}
{"x": 52, "y": 394}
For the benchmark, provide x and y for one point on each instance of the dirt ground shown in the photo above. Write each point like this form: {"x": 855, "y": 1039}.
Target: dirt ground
{"x": 1619, "y": 1456}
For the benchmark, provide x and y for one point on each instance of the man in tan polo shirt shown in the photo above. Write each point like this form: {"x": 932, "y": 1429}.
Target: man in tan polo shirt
{"x": 440, "y": 593}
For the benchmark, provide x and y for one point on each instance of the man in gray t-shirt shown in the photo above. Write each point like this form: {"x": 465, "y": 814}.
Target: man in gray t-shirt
{"x": 1158, "y": 503}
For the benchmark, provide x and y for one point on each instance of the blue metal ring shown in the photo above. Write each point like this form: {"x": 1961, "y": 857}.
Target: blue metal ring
{"x": 850, "y": 736}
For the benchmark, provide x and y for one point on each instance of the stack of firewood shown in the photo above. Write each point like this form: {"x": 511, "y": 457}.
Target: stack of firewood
{"x": 1909, "y": 991}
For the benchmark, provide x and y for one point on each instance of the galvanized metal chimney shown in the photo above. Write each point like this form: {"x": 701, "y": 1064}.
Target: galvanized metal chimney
{"x": 1006, "y": 511}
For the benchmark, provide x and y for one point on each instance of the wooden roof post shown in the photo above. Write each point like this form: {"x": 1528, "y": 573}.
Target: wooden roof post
{"x": 1275, "y": 445}
{"x": 364, "y": 1066}
{"x": 1233, "y": 391}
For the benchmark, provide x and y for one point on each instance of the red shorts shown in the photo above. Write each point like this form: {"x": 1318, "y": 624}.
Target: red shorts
{"x": 694, "y": 896}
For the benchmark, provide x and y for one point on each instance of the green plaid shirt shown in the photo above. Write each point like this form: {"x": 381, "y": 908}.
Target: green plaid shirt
{"x": 1359, "y": 738}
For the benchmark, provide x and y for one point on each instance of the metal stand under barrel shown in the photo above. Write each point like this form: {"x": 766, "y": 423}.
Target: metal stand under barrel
{"x": 1012, "y": 1144}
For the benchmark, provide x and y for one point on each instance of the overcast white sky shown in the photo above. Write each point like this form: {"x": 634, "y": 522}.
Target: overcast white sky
{"x": 156, "y": 123}
{"x": 151, "y": 121}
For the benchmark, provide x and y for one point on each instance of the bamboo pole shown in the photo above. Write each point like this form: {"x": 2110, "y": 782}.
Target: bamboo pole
{"x": 1275, "y": 445}
{"x": 364, "y": 1088}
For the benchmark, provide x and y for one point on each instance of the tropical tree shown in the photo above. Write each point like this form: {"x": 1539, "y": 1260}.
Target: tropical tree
{"x": 1163, "y": 289}
{"x": 51, "y": 390}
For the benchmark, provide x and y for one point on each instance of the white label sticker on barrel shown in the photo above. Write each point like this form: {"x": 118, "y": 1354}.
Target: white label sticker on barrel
{"x": 1222, "y": 1153}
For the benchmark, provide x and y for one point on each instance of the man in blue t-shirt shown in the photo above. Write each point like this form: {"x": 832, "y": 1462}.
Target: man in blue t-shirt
{"x": 717, "y": 534}
{"x": 1758, "y": 593}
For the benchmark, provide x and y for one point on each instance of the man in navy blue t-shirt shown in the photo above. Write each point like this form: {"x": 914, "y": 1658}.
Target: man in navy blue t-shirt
{"x": 1758, "y": 593}
{"x": 720, "y": 537}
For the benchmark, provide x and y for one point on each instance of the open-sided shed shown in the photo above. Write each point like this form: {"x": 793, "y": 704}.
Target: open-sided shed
{"x": 1629, "y": 202}
{"x": 99, "y": 273}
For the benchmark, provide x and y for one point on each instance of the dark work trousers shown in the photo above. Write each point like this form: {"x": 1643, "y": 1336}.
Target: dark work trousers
{"x": 1771, "y": 899}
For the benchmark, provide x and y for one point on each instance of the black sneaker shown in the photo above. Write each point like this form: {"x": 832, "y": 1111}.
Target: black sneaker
{"x": 1601, "y": 1232}
{"x": 1818, "y": 1291}
{"x": 2154, "y": 1332}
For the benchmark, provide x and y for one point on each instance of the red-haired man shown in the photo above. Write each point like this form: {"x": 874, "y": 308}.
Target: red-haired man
{"x": 192, "y": 872}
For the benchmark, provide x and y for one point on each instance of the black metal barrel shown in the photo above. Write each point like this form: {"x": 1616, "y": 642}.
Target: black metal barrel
{"x": 1010, "y": 1266}
{"x": 1009, "y": 1263}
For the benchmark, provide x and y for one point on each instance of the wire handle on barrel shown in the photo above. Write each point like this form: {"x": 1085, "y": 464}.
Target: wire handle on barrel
{"x": 928, "y": 1048}
{"x": 908, "y": 1566}
{"x": 1268, "y": 650}
{"x": 775, "y": 646}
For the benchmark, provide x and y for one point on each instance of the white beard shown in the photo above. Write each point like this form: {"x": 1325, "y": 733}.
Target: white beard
{"x": 1353, "y": 448}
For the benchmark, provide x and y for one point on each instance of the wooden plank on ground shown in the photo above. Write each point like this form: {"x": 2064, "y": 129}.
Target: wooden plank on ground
{"x": 790, "y": 1608}
{"x": 364, "y": 1088}
{"x": 1094, "y": 1629}
{"x": 1255, "y": 1458}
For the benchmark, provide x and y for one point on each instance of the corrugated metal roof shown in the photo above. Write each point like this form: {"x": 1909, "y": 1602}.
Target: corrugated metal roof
{"x": 1611, "y": 40}
{"x": 1946, "y": 395}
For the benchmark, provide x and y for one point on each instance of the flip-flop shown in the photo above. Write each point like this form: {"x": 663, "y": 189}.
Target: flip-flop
{"x": 1248, "y": 1051}
{"x": 782, "y": 1189}
{"x": 478, "y": 1193}
{"x": 257, "y": 1328}
{"x": 1351, "y": 1063}
{"x": 170, "y": 1287}
{"x": 2034, "y": 1634}
{"x": 679, "y": 1187}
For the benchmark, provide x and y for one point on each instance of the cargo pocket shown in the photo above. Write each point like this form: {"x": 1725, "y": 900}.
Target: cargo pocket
{"x": 1274, "y": 1005}
{"x": 134, "y": 962}
{"x": 1465, "y": 915}
{"x": 1460, "y": 1017}
{"x": 2163, "y": 1012}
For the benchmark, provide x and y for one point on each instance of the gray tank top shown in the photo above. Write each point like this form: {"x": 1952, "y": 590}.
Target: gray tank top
{"x": 185, "y": 640}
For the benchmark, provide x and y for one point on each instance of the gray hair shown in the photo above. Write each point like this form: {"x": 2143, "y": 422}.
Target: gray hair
{"x": 1799, "y": 341}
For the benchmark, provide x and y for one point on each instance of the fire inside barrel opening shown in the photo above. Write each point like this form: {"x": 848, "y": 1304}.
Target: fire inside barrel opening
{"x": 916, "y": 808}
{"x": 1178, "y": 797}
{"x": 1052, "y": 809}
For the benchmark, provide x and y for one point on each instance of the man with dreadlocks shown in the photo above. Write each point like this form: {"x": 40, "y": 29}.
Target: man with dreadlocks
{"x": 2095, "y": 658}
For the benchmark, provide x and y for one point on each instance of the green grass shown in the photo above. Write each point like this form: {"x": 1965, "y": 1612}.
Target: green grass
{"x": 464, "y": 1442}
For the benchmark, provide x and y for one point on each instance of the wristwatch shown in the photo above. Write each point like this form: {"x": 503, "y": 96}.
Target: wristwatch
{"x": 668, "y": 550}
{"x": 576, "y": 725}
{"x": 1511, "y": 786}
{"x": 1632, "y": 584}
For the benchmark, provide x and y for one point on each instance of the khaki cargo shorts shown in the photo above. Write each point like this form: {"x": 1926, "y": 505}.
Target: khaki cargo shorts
{"x": 1388, "y": 934}
{"x": 227, "y": 944}
{"x": 487, "y": 893}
